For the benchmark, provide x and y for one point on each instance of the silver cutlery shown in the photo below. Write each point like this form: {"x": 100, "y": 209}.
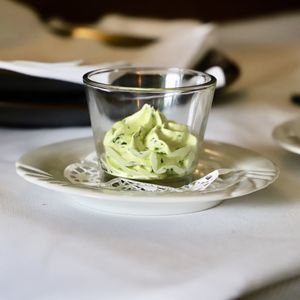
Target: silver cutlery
{"x": 66, "y": 29}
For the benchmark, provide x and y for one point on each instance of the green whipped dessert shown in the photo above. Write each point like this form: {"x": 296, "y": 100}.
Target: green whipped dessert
{"x": 147, "y": 146}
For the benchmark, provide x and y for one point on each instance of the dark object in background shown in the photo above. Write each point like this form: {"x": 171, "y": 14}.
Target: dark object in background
{"x": 27, "y": 101}
{"x": 90, "y": 11}
{"x": 216, "y": 58}
{"x": 296, "y": 99}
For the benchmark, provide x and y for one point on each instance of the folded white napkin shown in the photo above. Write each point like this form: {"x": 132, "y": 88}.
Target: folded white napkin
{"x": 180, "y": 43}
{"x": 71, "y": 71}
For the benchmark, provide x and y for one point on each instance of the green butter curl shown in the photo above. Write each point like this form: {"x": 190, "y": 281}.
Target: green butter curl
{"x": 147, "y": 146}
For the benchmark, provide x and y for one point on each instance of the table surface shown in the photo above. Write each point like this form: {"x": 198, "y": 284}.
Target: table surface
{"x": 50, "y": 248}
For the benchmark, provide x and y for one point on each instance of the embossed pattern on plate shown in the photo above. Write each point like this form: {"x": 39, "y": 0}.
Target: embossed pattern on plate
{"x": 45, "y": 167}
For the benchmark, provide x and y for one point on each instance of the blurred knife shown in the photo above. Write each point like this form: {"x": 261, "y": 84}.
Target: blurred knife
{"x": 65, "y": 29}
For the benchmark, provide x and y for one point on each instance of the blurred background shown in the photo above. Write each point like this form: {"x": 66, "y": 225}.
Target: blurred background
{"x": 88, "y": 11}
{"x": 242, "y": 31}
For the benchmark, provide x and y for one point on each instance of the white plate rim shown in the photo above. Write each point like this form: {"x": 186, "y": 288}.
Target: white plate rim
{"x": 22, "y": 170}
{"x": 280, "y": 137}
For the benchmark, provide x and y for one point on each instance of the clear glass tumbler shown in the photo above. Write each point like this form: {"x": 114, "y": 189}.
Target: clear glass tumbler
{"x": 148, "y": 123}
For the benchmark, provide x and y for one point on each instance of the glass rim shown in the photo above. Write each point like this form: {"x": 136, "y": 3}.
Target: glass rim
{"x": 189, "y": 88}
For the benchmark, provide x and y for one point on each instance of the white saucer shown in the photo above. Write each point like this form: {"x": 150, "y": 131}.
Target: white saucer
{"x": 288, "y": 135}
{"x": 45, "y": 167}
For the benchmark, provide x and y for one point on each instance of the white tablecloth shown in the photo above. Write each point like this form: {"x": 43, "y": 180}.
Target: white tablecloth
{"x": 51, "y": 248}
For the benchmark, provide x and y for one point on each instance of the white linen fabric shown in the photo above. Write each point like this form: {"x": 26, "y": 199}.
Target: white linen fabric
{"x": 71, "y": 71}
{"x": 74, "y": 71}
{"x": 52, "y": 249}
